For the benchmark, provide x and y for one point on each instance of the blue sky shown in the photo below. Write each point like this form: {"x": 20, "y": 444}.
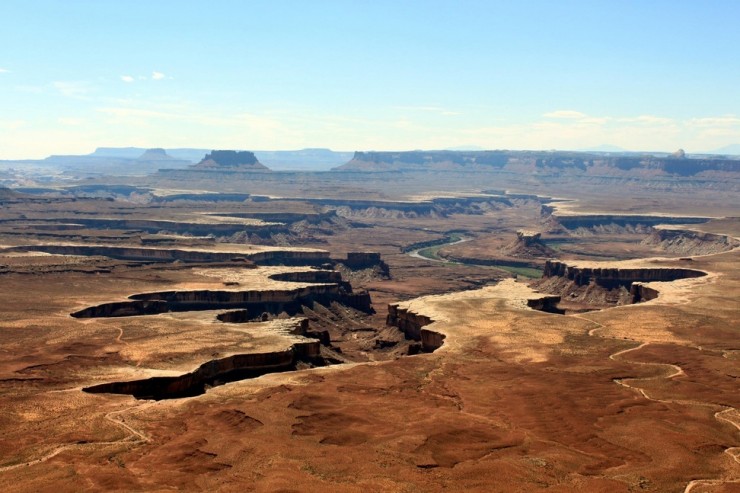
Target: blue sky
{"x": 360, "y": 75}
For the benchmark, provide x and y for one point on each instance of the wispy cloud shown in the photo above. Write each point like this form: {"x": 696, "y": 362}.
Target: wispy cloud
{"x": 73, "y": 89}
{"x": 4, "y": 71}
{"x": 718, "y": 121}
{"x": 155, "y": 76}
{"x": 566, "y": 114}
{"x": 577, "y": 117}
{"x": 647, "y": 120}
{"x": 569, "y": 129}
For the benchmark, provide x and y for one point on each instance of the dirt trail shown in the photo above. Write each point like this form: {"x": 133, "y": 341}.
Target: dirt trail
{"x": 727, "y": 414}
{"x": 134, "y": 438}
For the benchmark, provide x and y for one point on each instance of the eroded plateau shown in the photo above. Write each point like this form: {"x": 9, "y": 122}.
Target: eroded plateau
{"x": 386, "y": 326}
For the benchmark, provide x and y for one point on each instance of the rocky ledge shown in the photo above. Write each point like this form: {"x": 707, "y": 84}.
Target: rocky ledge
{"x": 303, "y": 352}
{"x": 599, "y": 285}
{"x": 616, "y": 276}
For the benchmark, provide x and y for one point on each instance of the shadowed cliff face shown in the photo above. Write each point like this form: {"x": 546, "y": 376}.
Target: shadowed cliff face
{"x": 584, "y": 288}
{"x": 329, "y": 290}
{"x": 684, "y": 242}
{"x": 268, "y": 257}
{"x": 608, "y": 277}
{"x": 217, "y": 372}
{"x": 589, "y": 221}
{"x": 413, "y": 326}
{"x": 271, "y": 301}
{"x": 154, "y": 226}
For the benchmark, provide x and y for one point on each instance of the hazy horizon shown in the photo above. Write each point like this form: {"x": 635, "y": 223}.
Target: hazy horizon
{"x": 383, "y": 76}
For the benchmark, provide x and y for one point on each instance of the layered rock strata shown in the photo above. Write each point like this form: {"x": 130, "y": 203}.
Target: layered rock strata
{"x": 686, "y": 242}
{"x": 610, "y": 277}
{"x": 223, "y": 370}
{"x": 261, "y": 256}
{"x": 602, "y": 285}
{"x": 230, "y": 160}
{"x": 255, "y": 302}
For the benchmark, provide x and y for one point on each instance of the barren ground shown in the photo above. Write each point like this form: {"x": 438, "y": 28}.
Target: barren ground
{"x": 637, "y": 397}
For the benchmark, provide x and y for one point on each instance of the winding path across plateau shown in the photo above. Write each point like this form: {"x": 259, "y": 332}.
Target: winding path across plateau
{"x": 637, "y": 397}
{"x": 133, "y": 438}
{"x": 673, "y": 293}
{"x": 727, "y": 414}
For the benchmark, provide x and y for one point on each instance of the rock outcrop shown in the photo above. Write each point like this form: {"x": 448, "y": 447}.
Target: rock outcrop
{"x": 156, "y": 154}
{"x": 590, "y": 287}
{"x": 230, "y": 161}
{"x": 547, "y": 304}
{"x": 542, "y": 162}
{"x": 413, "y": 325}
{"x": 220, "y": 371}
{"x": 366, "y": 260}
{"x": 288, "y": 301}
{"x": 635, "y": 221}
{"x": 528, "y": 244}
{"x": 686, "y": 242}
{"x": 152, "y": 254}
{"x": 202, "y": 228}
{"x": 615, "y": 276}
{"x": 424, "y": 160}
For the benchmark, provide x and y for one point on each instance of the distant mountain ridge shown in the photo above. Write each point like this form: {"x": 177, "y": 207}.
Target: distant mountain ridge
{"x": 730, "y": 150}
{"x": 309, "y": 159}
{"x": 544, "y": 162}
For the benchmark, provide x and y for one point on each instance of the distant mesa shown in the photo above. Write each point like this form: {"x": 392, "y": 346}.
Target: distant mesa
{"x": 156, "y": 154}
{"x": 545, "y": 163}
{"x": 230, "y": 161}
{"x": 424, "y": 160}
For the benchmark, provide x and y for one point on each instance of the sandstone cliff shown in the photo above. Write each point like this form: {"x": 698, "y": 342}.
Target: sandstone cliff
{"x": 528, "y": 244}
{"x": 543, "y": 162}
{"x": 685, "y": 242}
{"x": 230, "y": 161}
{"x": 600, "y": 286}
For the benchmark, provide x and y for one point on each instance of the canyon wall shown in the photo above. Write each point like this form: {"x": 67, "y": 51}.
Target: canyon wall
{"x": 413, "y": 326}
{"x": 613, "y": 276}
{"x": 215, "y": 372}
{"x": 596, "y": 220}
{"x": 267, "y": 257}
{"x": 686, "y": 242}
{"x": 541, "y": 162}
{"x": 155, "y": 226}
{"x": 255, "y": 302}
{"x": 604, "y": 286}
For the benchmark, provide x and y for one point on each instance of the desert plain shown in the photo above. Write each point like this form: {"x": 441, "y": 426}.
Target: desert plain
{"x": 468, "y": 325}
